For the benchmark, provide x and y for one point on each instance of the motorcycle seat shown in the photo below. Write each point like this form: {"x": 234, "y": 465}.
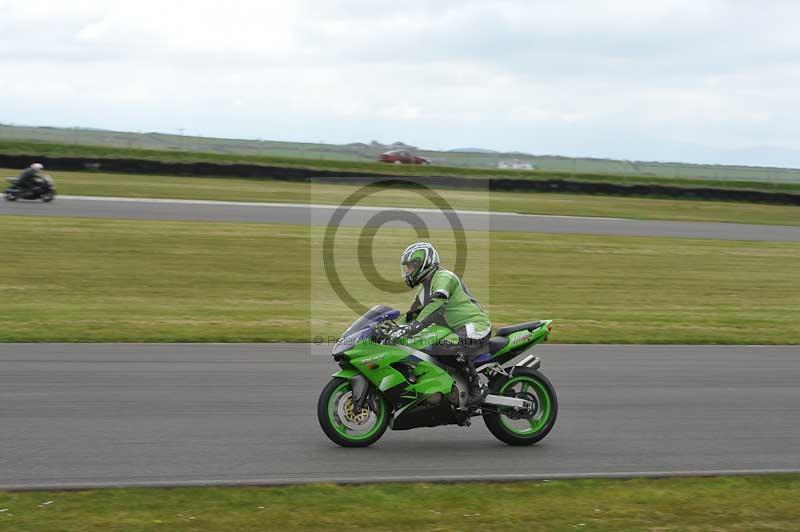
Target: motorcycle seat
{"x": 528, "y": 325}
{"x": 496, "y": 343}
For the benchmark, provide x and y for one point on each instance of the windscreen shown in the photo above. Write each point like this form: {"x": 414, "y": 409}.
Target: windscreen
{"x": 376, "y": 313}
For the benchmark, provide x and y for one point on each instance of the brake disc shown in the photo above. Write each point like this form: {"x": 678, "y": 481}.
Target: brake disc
{"x": 348, "y": 415}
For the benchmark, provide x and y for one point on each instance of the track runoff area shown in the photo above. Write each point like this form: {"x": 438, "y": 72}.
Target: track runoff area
{"x": 681, "y": 405}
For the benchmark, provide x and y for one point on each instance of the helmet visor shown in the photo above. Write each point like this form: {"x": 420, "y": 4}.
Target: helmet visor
{"x": 409, "y": 267}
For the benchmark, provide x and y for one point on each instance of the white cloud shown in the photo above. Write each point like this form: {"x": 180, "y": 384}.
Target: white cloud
{"x": 621, "y": 78}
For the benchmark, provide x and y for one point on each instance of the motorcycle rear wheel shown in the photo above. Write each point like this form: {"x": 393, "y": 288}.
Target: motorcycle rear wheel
{"x": 342, "y": 424}
{"x": 531, "y": 385}
{"x": 10, "y": 196}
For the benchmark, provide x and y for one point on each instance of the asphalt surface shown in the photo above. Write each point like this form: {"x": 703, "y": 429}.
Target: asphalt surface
{"x": 82, "y": 415}
{"x": 299, "y": 214}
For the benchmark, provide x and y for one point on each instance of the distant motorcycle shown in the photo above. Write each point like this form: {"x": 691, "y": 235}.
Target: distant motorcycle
{"x": 43, "y": 189}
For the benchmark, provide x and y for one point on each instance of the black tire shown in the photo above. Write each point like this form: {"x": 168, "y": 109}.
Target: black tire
{"x": 324, "y": 415}
{"x": 47, "y": 197}
{"x": 10, "y": 196}
{"x": 494, "y": 422}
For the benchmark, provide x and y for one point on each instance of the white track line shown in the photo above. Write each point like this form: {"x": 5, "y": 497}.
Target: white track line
{"x": 321, "y": 206}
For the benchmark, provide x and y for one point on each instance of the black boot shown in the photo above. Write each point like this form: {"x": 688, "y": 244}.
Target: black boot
{"x": 477, "y": 389}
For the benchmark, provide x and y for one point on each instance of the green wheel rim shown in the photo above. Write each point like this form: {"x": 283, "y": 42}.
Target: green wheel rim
{"x": 373, "y": 424}
{"x": 539, "y": 421}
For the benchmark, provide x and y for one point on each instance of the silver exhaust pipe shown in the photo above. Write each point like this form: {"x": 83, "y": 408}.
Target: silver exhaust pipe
{"x": 530, "y": 361}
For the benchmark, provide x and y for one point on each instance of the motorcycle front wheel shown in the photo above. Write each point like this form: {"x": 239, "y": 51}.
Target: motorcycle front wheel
{"x": 47, "y": 197}
{"x": 512, "y": 428}
{"x": 342, "y": 424}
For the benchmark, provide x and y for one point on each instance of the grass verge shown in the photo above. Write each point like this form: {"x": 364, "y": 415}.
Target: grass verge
{"x": 722, "y": 504}
{"x": 229, "y": 189}
{"x": 70, "y": 279}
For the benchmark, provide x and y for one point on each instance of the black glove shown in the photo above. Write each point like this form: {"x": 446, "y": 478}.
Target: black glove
{"x": 413, "y": 328}
{"x": 405, "y": 330}
{"x": 399, "y": 332}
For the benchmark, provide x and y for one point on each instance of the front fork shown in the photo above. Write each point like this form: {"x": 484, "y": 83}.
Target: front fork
{"x": 360, "y": 387}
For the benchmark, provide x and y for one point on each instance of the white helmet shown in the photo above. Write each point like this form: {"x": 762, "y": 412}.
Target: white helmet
{"x": 37, "y": 166}
{"x": 418, "y": 261}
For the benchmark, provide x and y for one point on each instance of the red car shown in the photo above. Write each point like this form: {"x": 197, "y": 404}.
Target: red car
{"x": 402, "y": 157}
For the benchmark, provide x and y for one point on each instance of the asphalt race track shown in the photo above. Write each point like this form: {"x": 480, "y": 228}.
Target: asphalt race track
{"x": 180, "y": 414}
{"x": 300, "y": 214}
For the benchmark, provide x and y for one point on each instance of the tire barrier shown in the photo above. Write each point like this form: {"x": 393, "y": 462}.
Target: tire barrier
{"x": 254, "y": 171}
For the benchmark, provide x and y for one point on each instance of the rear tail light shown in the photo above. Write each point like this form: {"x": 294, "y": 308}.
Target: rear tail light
{"x": 549, "y": 327}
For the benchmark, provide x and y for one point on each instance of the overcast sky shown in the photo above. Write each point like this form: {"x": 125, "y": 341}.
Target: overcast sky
{"x": 696, "y": 80}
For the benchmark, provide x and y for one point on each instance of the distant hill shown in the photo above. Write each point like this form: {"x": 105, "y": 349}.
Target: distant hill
{"x": 471, "y": 150}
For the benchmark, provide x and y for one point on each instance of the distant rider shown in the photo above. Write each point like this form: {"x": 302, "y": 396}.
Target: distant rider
{"x": 445, "y": 300}
{"x": 30, "y": 177}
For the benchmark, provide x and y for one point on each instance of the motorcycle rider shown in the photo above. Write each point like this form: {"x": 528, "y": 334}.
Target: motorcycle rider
{"x": 30, "y": 177}
{"x": 444, "y": 299}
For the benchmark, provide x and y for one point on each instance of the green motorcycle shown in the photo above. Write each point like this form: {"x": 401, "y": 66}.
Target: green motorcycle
{"x": 389, "y": 382}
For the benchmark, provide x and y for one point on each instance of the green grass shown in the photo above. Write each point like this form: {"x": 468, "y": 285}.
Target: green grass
{"x": 721, "y": 504}
{"x": 69, "y": 279}
{"x": 145, "y": 186}
{"x": 89, "y": 151}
